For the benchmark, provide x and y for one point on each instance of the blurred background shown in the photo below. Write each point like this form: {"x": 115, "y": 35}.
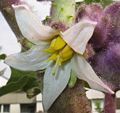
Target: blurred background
{"x": 18, "y": 102}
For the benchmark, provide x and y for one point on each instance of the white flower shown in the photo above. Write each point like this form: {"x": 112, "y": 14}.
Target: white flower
{"x": 56, "y": 52}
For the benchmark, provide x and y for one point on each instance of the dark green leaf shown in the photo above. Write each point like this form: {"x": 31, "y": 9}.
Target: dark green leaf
{"x": 103, "y": 2}
{"x": 14, "y": 86}
{"x": 22, "y": 81}
{"x": 2, "y": 56}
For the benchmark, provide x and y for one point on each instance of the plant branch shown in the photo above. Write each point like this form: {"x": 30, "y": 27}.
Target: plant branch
{"x": 110, "y": 103}
{"x": 9, "y": 15}
{"x": 6, "y": 3}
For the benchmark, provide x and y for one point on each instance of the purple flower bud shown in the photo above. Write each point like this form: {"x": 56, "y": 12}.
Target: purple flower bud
{"x": 108, "y": 28}
{"x": 106, "y": 43}
{"x": 92, "y": 12}
{"x": 107, "y": 65}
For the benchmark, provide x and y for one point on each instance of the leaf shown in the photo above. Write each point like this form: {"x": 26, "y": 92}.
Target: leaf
{"x": 88, "y": 1}
{"x": 17, "y": 74}
{"x": 103, "y": 2}
{"x": 22, "y": 81}
{"x": 14, "y": 86}
{"x": 2, "y": 56}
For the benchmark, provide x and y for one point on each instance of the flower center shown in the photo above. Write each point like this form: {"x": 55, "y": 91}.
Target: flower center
{"x": 60, "y": 51}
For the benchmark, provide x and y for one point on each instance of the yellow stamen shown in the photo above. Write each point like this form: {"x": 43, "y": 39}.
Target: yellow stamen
{"x": 66, "y": 53}
{"x": 56, "y": 44}
{"x": 60, "y": 52}
{"x": 53, "y": 57}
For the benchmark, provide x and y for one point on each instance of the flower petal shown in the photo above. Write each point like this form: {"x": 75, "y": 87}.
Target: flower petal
{"x": 54, "y": 85}
{"x": 78, "y": 35}
{"x": 85, "y": 72}
{"x": 31, "y": 26}
{"x": 2, "y": 73}
{"x": 32, "y": 60}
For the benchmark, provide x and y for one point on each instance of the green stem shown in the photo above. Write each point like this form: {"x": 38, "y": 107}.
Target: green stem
{"x": 63, "y": 11}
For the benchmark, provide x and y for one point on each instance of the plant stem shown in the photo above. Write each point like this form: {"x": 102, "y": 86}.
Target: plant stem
{"x": 72, "y": 100}
{"x": 110, "y": 103}
{"x": 6, "y": 3}
{"x": 63, "y": 11}
{"x": 9, "y": 15}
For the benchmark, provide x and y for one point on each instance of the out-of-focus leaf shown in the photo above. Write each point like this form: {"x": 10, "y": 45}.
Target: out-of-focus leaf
{"x": 2, "y": 56}
{"x": 88, "y": 1}
{"x": 22, "y": 81}
{"x": 103, "y": 2}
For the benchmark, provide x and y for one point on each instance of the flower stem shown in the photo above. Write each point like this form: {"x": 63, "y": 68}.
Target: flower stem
{"x": 9, "y": 15}
{"x": 63, "y": 11}
{"x": 6, "y": 3}
{"x": 110, "y": 103}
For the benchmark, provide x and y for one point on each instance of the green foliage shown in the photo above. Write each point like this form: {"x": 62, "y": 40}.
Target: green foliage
{"x": 2, "y": 56}
{"x": 103, "y": 2}
{"x": 22, "y": 81}
{"x": 98, "y": 106}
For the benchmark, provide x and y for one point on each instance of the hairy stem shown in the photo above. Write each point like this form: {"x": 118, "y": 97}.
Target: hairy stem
{"x": 72, "y": 100}
{"x": 109, "y": 103}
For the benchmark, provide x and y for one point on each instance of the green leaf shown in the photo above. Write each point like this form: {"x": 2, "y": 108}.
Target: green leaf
{"x": 2, "y": 56}
{"x": 103, "y": 2}
{"x": 106, "y": 2}
{"x": 17, "y": 74}
{"x": 88, "y": 1}
{"x": 22, "y": 81}
{"x": 14, "y": 86}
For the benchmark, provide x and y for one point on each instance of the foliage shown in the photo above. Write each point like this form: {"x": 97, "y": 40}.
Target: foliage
{"x": 103, "y": 2}
{"x": 22, "y": 81}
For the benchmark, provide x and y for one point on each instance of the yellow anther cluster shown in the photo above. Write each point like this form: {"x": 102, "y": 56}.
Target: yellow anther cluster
{"x": 60, "y": 50}
{"x": 56, "y": 44}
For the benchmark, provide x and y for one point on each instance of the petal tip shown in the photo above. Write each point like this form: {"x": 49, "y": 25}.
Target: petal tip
{"x": 21, "y": 6}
